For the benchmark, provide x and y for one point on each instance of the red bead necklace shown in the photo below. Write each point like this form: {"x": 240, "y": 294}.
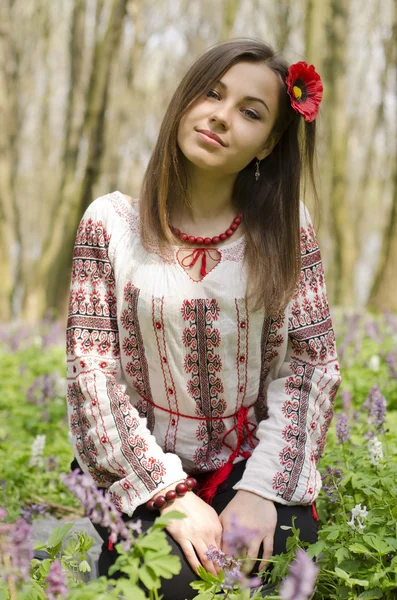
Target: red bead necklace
{"x": 191, "y": 239}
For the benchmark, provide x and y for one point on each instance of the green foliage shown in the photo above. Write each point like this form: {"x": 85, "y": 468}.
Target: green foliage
{"x": 21, "y": 421}
{"x": 358, "y": 563}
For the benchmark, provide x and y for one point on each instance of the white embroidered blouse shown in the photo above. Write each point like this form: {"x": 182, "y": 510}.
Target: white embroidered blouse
{"x": 159, "y": 366}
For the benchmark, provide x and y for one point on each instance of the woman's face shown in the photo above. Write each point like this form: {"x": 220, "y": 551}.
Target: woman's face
{"x": 241, "y": 110}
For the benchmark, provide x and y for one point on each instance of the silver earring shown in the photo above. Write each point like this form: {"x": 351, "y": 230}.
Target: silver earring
{"x": 257, "y": 172}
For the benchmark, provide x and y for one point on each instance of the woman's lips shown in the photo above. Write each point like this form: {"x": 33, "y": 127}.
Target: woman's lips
{"x": 208, "y": 139}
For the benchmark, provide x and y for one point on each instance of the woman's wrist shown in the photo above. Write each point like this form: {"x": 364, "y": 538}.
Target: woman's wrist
{"x": 169, "y": 494}
{"x": 171, "y": 486}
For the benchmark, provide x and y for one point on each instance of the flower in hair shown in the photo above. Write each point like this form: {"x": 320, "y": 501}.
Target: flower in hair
{"x": 305, "y": 88}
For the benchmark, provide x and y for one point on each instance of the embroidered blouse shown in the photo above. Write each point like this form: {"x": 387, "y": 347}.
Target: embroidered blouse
{"x": 159, "y": 366}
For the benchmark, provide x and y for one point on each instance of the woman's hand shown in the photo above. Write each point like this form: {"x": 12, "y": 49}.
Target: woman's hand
{"x": 199, "y": 530}
{"x": 255, "y": 513}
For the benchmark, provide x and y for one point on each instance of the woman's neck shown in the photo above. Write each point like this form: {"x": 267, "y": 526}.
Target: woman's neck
{"x": 210, "y": 199}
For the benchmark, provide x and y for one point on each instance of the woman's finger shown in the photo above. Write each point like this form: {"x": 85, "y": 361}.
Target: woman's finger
{"x": 201, "y": 548}
{"x": 190, "y": 555}
{"x": 267, "y": 551}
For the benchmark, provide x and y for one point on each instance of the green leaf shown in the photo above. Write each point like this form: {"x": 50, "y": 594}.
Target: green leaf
{"x": 361, "y": 582}
{"x": 342, "y": 574}
{"x": 315, "y": 549}
{"x": 341, "y": 554}
{"x": 163, "y": 520}
{"x": 129, "y": 589}
{"x": 359, "y": 548}
{"x": 378, "y": 544}
{"x": 149, "y": 578}
{"x": 165, "y": 566}
{"x": 201, "y": 586}
{"x": 155, "y": 540}
{"x": 371, "y": 594}
{"x": 205, "y": 596}
{"x": 59, "y": 535}
{"x": 333, "y": 535}
{"x": 35, "y": 592}
{"x": 206, "y": 576}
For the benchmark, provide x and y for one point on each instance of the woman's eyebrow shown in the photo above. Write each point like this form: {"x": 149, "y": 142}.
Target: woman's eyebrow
{"x": 251, "y": 98}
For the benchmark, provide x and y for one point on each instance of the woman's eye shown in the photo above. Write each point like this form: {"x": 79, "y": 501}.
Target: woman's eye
{"x": 251, "y": 114}
{"x": 213, "y": 93}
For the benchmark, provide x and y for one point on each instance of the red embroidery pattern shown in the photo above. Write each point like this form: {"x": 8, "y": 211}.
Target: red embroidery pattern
{"x": 125, "y": 211}
{"x": 92, "y": 323}
{"x": 134, "y": 447}
{"x": 295, "y": 408}
{"x": 311, "y": 336}
{"x": 133, "y": 348}
{"x": 85, "y": 444}
{"x": 271, "y": 341}
{"x": 205, "y": 386}
{"x": 328, "y": 414}
{"x": 169, "y": 385}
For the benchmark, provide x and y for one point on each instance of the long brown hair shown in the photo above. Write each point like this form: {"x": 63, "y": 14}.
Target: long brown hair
{"x": 270, "y": 205}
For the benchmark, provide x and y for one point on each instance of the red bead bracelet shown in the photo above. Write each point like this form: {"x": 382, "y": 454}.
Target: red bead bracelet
{"x": 180, "y": 490}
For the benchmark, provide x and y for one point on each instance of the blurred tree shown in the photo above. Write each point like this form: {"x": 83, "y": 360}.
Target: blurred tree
{"x": 8, "y": 141}
{"x": 384, "y": 288}
{"x": 47, "y": 284}
{"x": 336, "y": 132}
{"x": 83, "y": 86}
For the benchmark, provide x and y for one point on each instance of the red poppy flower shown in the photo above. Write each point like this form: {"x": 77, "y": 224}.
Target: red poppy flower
{"x": 305, "y": 89}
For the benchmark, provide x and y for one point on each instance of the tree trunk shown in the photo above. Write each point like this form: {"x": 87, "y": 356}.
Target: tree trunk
{"x": 383, "y": 294}
{"x": 75, "y": 195}
{"x": 8, "y": 137}
{"x": 336, "y": 140}
{"x": 230, "y": 10}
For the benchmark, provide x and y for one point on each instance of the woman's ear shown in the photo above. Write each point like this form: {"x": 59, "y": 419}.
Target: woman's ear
{"x": 268, "y": 148}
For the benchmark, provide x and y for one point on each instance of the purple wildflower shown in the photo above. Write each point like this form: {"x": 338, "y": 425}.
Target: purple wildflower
{"x": 97, "y": 504}
{"x": 42, "y": 389}
{"x": 376, "y": 405}
{"x": 219, "y": 558}
{"x": 346, "y": 399}
{"x": 33, "y": 510}
{"x": 300, "y": 581}
{"x": 233, "y": 576}
{"x": 22, "y": 548}
{"x": 331, "y": 480}
{"x": 372, "y": 330}
{"x": 56, "y": 580}
{"x": 342, "y": 428}
{"x": 391, "y": 361}
{"x": 232, "y": 569}
{"x": 237, "y": 537}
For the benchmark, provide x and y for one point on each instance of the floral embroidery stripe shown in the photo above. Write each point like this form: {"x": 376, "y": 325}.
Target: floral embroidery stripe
{"x": 87, "y": 252}
{"x": 103, "y": 323}
{"x": 101, "y": 431}
{"x": 271, "y": 340}
{"x": 205, "y": 387}
{"x": 133, "y": 348}
{"x": 312, "y": 331}
{"x": 311, "y": 259}
{"x": 134, "y": 447}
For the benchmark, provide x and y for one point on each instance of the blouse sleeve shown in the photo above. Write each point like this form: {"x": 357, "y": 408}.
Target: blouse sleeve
{"x": 283, "y": 466}
{"x": 111, "y": 441}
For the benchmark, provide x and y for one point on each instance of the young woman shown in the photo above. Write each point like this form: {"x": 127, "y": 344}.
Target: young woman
{"x": 199, "y": 336}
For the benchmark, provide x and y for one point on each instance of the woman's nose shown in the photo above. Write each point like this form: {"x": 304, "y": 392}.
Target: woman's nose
{"x": 221, "y": 118}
